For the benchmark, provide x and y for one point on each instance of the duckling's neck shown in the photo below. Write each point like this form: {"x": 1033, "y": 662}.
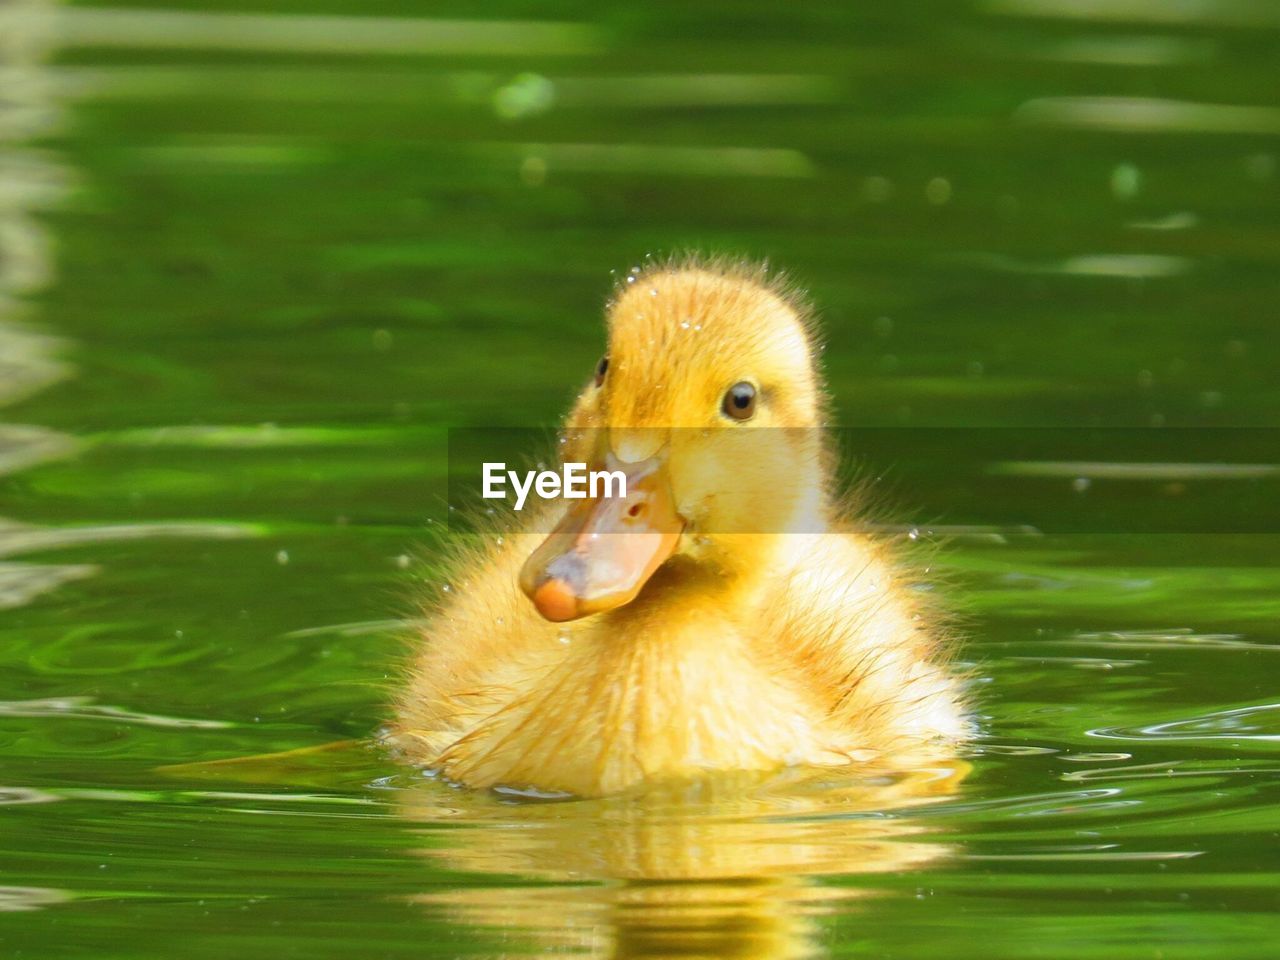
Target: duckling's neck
{"x": 744, "y": 554}
{"x": 716, "y": 577}
{"x": 797, "y": 501}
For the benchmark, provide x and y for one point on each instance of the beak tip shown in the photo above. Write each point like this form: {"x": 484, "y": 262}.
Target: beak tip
{"x": 556, "y": 601}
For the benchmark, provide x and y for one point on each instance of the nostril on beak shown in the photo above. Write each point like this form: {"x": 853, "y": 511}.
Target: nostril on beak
{"x": 636, "y": 510}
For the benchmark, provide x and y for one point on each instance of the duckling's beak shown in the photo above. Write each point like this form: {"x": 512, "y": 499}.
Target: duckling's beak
{"x": 605, "y": 549}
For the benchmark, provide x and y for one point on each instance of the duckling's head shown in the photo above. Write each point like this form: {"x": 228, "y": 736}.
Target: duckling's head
{"x": 709, "y": 401}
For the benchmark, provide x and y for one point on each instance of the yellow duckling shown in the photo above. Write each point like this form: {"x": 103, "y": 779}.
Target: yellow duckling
{"x": 723, "y": 615}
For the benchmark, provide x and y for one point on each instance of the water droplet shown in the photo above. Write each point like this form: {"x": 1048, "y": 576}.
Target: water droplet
{"x": 500, "y": 541}
{"x": 533, "y": 171}
{"x": 877, "y": 189}
{"x": 1081, "y": 484}
{"x": 403, "y": 561}
{"x": 526, "y": 95}
{"x": 1126, "y": 181}
{"x": 563, "y": 638}
{"x": 684, "y": 324}
{"x": 938, "y": 191}
{"x": 447, "y": 588}
{"x": 913, "y": 534}
{"x": 282, "y": 557}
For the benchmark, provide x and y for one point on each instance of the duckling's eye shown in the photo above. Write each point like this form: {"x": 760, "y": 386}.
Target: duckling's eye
{"x": 601, "y": 369}
{"x": 740, "y": 401}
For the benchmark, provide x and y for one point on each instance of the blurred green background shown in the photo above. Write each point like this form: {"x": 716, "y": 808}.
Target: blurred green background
{"x": 257, "y": 258}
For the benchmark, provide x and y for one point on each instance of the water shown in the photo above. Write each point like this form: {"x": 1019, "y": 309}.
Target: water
{"x": 251, "y": 269}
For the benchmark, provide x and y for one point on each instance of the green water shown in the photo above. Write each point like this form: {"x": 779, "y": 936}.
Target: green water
{"x": 250, "y": 272}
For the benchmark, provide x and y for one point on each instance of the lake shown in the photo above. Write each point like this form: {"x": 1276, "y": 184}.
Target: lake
{"x": 257, "y": 262}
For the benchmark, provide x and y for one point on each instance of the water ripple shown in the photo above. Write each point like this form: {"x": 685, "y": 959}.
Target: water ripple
{"x": 17, "y": 796}
{"x": 23, "y": 446}
{"x": 18, "y": 538}
{"x": 1092, "y": 856}
{"x": 21, "y": 899}
{"x": 20, "y": 583}
{"x": 1163, "y": 771}
{"x": 1177, "y": 639}
{"x": 1259, "y": 723}
{"x": 1149, "y": 115}
{"x": 332, "y": 35}
{"x": 84, "y": 708}
{"x": 1236, "y": 13}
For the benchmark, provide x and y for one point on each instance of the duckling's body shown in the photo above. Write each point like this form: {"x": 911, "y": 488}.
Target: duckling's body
{"x": 742, "y": 625}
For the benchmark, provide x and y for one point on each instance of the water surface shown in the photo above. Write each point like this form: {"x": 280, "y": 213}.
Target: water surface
{"x": 254, "y": 263}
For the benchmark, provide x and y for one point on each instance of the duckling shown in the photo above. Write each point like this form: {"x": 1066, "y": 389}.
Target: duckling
{"x": 725, "y": 614}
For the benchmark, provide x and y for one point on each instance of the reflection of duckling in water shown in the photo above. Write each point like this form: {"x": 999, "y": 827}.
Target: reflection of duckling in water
{"x": 742, "y": 624}
{"x": 717, "y": 867}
